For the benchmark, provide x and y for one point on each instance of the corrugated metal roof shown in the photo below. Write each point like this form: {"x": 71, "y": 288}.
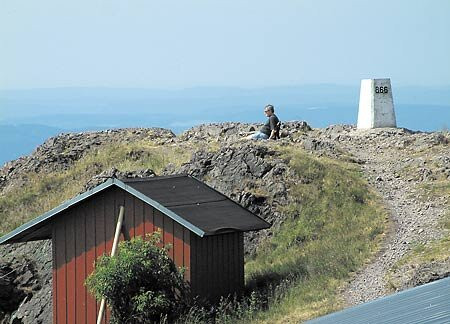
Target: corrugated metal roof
{"x": 429, "y": 303}
{"x": 185, "y": 199}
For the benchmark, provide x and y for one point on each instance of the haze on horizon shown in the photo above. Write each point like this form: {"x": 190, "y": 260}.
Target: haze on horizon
{"x": 172, "y": 44}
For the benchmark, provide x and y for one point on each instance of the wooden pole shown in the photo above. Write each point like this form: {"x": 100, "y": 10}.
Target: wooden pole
{"x": 113, "y": 253}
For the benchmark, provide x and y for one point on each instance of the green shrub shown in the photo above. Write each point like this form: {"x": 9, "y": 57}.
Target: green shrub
{"x": 140, "y": 284}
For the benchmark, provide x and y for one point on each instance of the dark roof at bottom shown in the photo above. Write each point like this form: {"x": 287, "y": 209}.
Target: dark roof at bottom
{"x": 186, "y": 200}
{"x": 428, "y": 303}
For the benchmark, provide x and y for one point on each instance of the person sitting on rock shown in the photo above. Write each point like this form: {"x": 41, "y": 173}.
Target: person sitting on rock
{"x": 270, "y": 128}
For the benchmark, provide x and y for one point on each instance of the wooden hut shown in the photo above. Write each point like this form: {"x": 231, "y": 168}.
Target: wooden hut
{"x": 204, "y": 228}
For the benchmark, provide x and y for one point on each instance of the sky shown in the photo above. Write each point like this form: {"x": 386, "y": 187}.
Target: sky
{"x": 193, "y": 43}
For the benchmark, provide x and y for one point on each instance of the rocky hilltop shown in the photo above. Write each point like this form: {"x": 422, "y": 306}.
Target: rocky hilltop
{"x": 409, "y": 170}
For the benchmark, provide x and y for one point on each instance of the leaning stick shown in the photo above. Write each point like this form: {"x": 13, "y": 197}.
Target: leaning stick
{"x": 113, "y": 253}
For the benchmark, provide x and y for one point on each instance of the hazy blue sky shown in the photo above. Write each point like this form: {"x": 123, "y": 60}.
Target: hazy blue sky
{"x": 172, "y": 44}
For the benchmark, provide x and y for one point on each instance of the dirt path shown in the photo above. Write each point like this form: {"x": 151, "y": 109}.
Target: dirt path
{"x": 413, "y": 219}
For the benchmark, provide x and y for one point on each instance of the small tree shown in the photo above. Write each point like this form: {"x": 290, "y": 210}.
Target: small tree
{"x": 139, "y": 284}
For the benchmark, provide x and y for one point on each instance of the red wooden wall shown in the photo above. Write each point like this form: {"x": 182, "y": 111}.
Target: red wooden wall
{"x": 214, "y": 264}
{"x": 84, "y": 232}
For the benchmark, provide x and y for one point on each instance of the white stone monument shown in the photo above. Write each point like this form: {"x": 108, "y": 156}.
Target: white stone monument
{"x": 376, "y": 105}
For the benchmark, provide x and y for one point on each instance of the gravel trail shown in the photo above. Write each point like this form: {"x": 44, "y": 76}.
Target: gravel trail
{"x": 384, "y": 157}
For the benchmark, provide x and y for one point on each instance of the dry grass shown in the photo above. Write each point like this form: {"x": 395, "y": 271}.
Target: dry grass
{"x": 336, "y": 226}
{"x": 45, "y": 191}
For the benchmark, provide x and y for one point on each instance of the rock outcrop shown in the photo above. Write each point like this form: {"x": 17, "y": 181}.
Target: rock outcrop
{"x": 253, "y": 175}
{"x": 61, "y": 152}
{"x": 26, "y": 283}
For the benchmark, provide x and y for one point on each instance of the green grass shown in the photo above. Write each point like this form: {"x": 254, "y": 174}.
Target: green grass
{"x": 333, "y": 227}
{"x": 422, "y": 254}
{"x": 44, "y": 191}
{"x": 438, "y": 188}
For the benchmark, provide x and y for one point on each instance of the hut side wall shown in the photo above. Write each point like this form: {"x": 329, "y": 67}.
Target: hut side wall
{"x": 217, "y": 264}
{"x": 84, "y": 232}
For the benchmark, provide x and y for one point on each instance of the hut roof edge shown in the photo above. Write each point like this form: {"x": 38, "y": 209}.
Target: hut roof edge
{"x": 20, "y": 232}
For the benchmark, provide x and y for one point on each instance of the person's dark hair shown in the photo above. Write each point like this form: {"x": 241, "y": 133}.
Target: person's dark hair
{"x": 270, "y": 107}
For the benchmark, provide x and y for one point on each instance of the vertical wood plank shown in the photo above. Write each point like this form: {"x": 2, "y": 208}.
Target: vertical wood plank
{"x": 216, "y": 279}
{"x": 205, "y": 281}
{"x": 214, "y": 269}
{"x": 159, "y": 225}
{"x": 233, "y": 257}
{"x": 226, "y": 260}
{"x": 91, "y": 303}
{"x": 195, "y": 242}
{"x": 220, "y": 266}
{"x": 55, "y": 275}
{"x": 241, "y": 261}
{"x": 110, "y": 219}
{"x": 99, "y": 215}
{"x": 178, "y": 245}
{"x": 71, "y": 267}
{"x": 237, "y": 262}
{"x": 119, "y": 200}
{"x": 192, "y": 262}
{"x": 61, "y": 271}
{"x": 80, "y": 248}
{"x": 210, "y": 267}
{"x": 128, "y": 217}
{"x": 148, "y": 213}
{"x": 187, "y": 253}
{"x": 100, "y": 229}
{"x": 168, "y": 235}
{"x": 110, "y": 227}
{"x": 139, "y": 217}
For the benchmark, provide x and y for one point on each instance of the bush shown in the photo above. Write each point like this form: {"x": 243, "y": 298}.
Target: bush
{"x": 139, "y": 284}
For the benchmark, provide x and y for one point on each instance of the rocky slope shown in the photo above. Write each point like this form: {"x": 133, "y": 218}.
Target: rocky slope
{"x": 59, "y": 153}
{"x": 396, "y": 162}
{"x": 26, "y": 283}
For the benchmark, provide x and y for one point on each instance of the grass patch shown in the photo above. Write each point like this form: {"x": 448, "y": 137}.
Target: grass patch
{"x": 435, "y": 189}
{"x": 334, "y": 225}
{"x": 334, "y": 210}
{"x": 421, "y": 255}
{"x": 45, "y": 191}
{"x": 424, "y": 254}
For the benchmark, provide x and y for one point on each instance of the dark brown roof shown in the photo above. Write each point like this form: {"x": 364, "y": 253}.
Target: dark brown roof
{"x": 198, "y": 203}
